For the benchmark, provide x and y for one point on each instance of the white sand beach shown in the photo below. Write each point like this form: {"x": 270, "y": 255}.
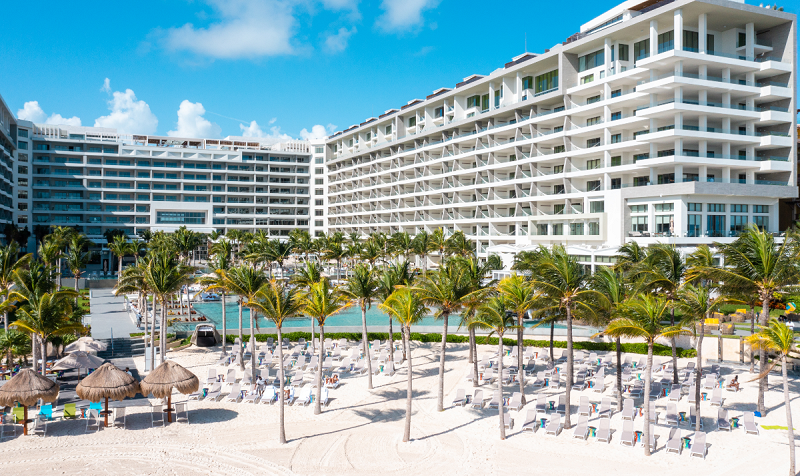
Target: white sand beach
{"x": 360, "y": 433}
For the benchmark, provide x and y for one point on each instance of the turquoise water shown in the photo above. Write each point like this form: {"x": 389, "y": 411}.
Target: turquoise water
{"x": 350, "y": 317}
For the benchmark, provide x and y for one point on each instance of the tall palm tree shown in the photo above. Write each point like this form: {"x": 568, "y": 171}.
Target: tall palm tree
{"x": 403, "y": 244}
{"x": 458, "y": 244}
{"x": 165, "y": 276}
{"x": 561, "y": 279}
{"x": 439, "y": 243}
{"x": 475, "y": 273}
{"x": 642, "y": 319}
{"x": 10, "y": 262}
{"x": 77, "y": 258}
{"x": 280, "y": 251}
{"x": 397, "y": 274}
{"x": 613, "y": 288}
{"x": 119, "y": 247}
{"x": 320, "y": 302}
{"x": 30, "y": 283}
{"x": 498, "y": 317}
{"x": 421, "y": 247}
{"x": 61, "y": 236}
{"x": 277, "y": 303}
{"x": 779, "y": 338}
{"x": 335, "y": 251}
{"x": 133, "y": 280}
{"x": 448, "y": 290}
{"x": 304, "y": 277}
{"x": 756, "y": 261}
{"x": 519, "y": 296}
{"x": 45, "y": 316}
{"x": 301, "y": 242}
{"x": 362, "y": 288}
{"x": 407, "y": 308}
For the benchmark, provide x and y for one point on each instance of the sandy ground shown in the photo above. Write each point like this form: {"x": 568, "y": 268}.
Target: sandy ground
{"x": 360, "y": 433}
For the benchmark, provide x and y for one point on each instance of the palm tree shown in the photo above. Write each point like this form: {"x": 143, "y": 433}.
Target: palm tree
{"x": 755, "y": 261}
{"x": 475, "y": 273}
{"x": 362, "y": 287}
{"x": 421, "y": 247}
{"x": 519, "y": 297}
{"x": 697, "y": 304}
{"x": 458, "y": 244}
{"x": 119, "y": 247}
{"x": 14, "y": 343}
{"x": 779, "y": 338}
{"x": 280, "y": 252}
{"x": 335, "y": 250}
{"x": 277, "y": 303}
{"x": 77, "y": 258}
{"x": 133, "y": 280}
{"x": 448, "y": 290}
{"x": 370, "y": 252}
{"x": 498, "y": 317}
{"x": 304, "y": 278}
{"x": 439, "y": 243}
{"x": 560, "y": 278}
{"x": 165, "y": 276}
{"x": 320, "y": 302}
{"x": 642, "y": 318}
{"x": 10, "y": 262}
{"x": 146, "y": 235}
{"x": 397, "y": 274}
{"x": 403, "y": 244}
{"x": 301, "y": 242}
{"x": 61, "y": 236}
{"x": 613, "y": 289}
{"x": 408, "y": 309}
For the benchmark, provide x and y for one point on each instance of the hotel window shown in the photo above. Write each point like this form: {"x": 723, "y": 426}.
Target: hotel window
{"x": 638, "y": 208}
{"x": 473, "y": 101}
{"x": 558, "y": 189}
{"x": 557, "y": 169}
{"x": 593, "y": 142}
{"x": 558, "y": 229}
{"x": 691, "y": 41}
{"x": 694, "y": 226}
{"x": 485, "y": 102}
{"x": 412, "y": 121}
{"x": 616, "y": 161}
{"x": 558, "y": 209}
{"x": 592, "y": 121}
{"x": 598, "y": 206}
{"x": 616, "y": 93}
{"x": 616, "y": 183}
{"x": 319, "y": 150}
{"x": 623, "y": 52}
{"x": 438, "y": 112}
{"x": 615, "y": 116}
{"x": 387, "y": 131}
{"x": 587, "y": 79}
{"x": 760, "y": 208}
{"x": 616, "y": 138}
{"x": 716, "y": 207}
{"x": 541, "y": 229}
{"x": 547, "y": 81}
{"x": 665, "y": 207}
{"x": 592, "y": 185}
{"x": 592, "y": 164}
{"x": 666, "y": 178}
{"x": 22, "y": 133}
{"x": 559, "y": 149}
{"x": 741, "y": 40}
{"x": 738, "y": 224}
{"x": 641, "y": 50}
{"x": 527, "y": 82}
{"x": 318, "y": 191}
{"x": 594, "y": 228}
{"x": 22, "y": 145}
{"x": 639, "y": 224}
{"x": 666, "y": 41}
{"x": 497, "y": 95}
{"x": 761, "y": 222}
{"x": 738, "y": 208}
{"x": 592, "y": 60}
{"x": 23, "y": 157}
{"x": 710, "y": 43}
{"x": 663, "y": 223}
{"x": 641, "y": 181}
{"x": 593, "y": 99}
{"x": 576, "y": 229}
{"x": 695, "y": 207}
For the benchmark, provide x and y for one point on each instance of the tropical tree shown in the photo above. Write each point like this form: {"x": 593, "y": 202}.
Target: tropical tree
{"x": 335, "y": 251}
{"x": 612, "y": 290}
{"x": 519, "y": 297}
{"x": 277, "y": 303}
{"x": 301, "y": 242}
{"x": 61, "y": 236}
{"x": 76, "y": 257}
{"x": 362, "y": 289}
{"x": 165, "y": 276}
{"x": 320, "y": 302}
{"x": 10, "y": 262}
{"x": 757, "y": 262}
{"x": 119, "y": 247}
{"x": 403, "y": 244}
{"x": 220, "y": 262}
{"x": 777, "y": 337}
{"x": 133, "y": 280}
{"x": 146, "y": 235}
{"x": 447, "y": 289}
{"x": 561, "y": 279}
{"x": 458, "y": 244}
{"x": 642, "y": 318}
{"x": 14, "y": 343}
{"x": 407, "y": 308}
{"x": 438, "y": 241}
{"x": 422, "y": 246}
{"x": 397, "y": 274}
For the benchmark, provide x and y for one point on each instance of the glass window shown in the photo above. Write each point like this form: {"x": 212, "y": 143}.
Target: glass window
{"x": 547, "y": 81}
{"x": 641, "y": 50}
{"x": 616, "y": 161}
{"x": 527, "y": 82}
{"x": 638, "y": 208}
{"x": 738, "y": 208}
{"x": 741, "y": 40}
{"x": 623, "y": 52}
{"x": 761, "y": 222}
{"x": 576, "y": 229}
{"x": 559, "y": 149}
{"x": 587, "y": 79}
{"x": 593, "y": 164}
{"x": 616, "y": 183}
{"x": 616, "y": 138}
{"x": 666, "y": 41}
{"x": 593, "y": 142}
{"x": 593, "y": 99}
{"x": 182, "y": 218}
{"x": 594, "y": 228}
{"x": 593, "y": 120}
{"x": 760, "y": 208}
{"x": 716, "y": 207}
{"x": 693, "y": 228}
{"x": 473, "y": 101}
{"x": 412, "y": 121}
{"x": 695, "y": 207}
{"x": 598, "y": 206}
{"x": 319, "y": 150}
{"x": 710, "y": 43}
{"x": 738, "y": 224}
{"x": 715, "y": 225}
{"x": 639, "y": 224}
{"x": 690, "y": 41}
{"x": 615, "y": 116}
{"x": 592, "y": 60}
{"x": 663, "y": 223}
{"x": 558, "y": 229}
{"x": 665, "y": 207}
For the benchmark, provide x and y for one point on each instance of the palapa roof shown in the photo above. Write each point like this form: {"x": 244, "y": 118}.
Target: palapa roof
{"x": 85, "y": 344}
{"x": 79, "y": 360}
{"x": 167, "y": 376}
{"x": 27, "y": 387}
{"x": 107, "y": 382}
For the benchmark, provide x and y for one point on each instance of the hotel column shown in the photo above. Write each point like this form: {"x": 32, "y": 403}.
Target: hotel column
{"x": 677, "y": 34}
{"x": 607, "y": 48}
{"x": 653, "y": 38}
{"x": 751, "y": 41}
{"x": 702, "y": 35}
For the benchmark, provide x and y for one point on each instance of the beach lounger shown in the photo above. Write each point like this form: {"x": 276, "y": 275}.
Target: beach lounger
{"x": 212, "y": 376}
{"x": 235, "y": 393}
{"x": 299, "y": 379}
{"x": 539, "y": 382}
{"x": 584, "y": 409}
{"x": 119, "y": 417}
{"x": 716, "y": 397}
{"x": 230, "y": 377}
{"x": 156, "y": 415}
{"x": 40, "y": 426}
{"x": 531, "y": 422}
{"x": 653, "y": 413}
{"x": 182, "y": 412}
{"x": 508, "y": 422}
{"x": 388, "y": 368}
{"x": 637, "y": 389}
{"x": 599, "y": 384}
{"x": 252, "y": 395}
{"x": 495, "y": 401}
{"x": 580, "y": 382}
{"x": 332, "y": 382}
{"x": 269, "y": 396}
{"x": 699, "y": 445}
{"x": 563, "y": 357}
{"x": 692, "y": 394}
{"x": 675, "y": 393}
{"x": 470, "y": 374}
{"x": 605, "y": 410}
{"x": 247, "y": 378}
{"x": 360, "y": 367}
{"x": 628, "y": 410}
{"x": 488, "y": 376}
{"x": 608, "y": 360}
{"x": 304, "y": 397}
{"x": 477, "y": 400}
{"x": 674, "y": 442}
{"x": 461, "y": 398}
{"x": 723, "y": 423}
{"x": 749, "y": 422}
{"x": 653, "y": 437}
{"x": 561, "y": 407}
{"x": 554, "y": 382}
{"x": 344, "y": 366}
{"x": 516, "y": 401}
{"x": 215, "y": 393}
{"x": 693, "y": 418}
{"x": 672, "y": 414}
{"x": 554, "y": 425}
{"x": 70, "y": 412}
{"x": 46, "y": 412}
{"x": 627, "y": 436}
{"x": 709, "y": 383}
{"x": 655, "y": 390}
{"x": 604, "y": 430}
{"x": 323, "y": 398}
{"x": 541, "y": 403}
{"x": 582, "y": 429}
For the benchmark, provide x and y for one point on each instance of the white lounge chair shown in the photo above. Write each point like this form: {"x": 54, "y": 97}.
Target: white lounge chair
{"x": 716, "y": 397}
{"x": 516, "y": 401}
{"x": 531, "y": 422}
{"x": 541, "y": 403}
{"x": 461, "y": 398}
{"x": 304, "y": 397}
{"x": 182, "y": 412}
{"x": 554, "y": 425}
{"x": 235, "y": 393}
{"x": 693, "y": 418}
{"x": 477, "y": 399}
{"x": 215, "y": 392}
{"x": 628, "y": 410}
{"x": 561, "y": 406}
{"x": 723, "y": 423}
{"x": 495, "y": 402}
{"x": 604, "y": 430}
{"x": 539, "y": 382}
{"x": 628, "y": 435}
{"x": 675, "y": 393}
{"x": 605, "y": 410}
{"x": 671, "y": 417}
{"x": 212, "y": 376}
{"x": 584, "y": 409}
{"x": 582, "y": 429}
{"x": 508, "y": 422}
{"x": 699, "y": 445}
{"x": 156, "y": 416}
{"x": 674, "y": 443}
{"x": 252, "y": 395}
{"x": 119, "y": 418}
{"x": 750, "y": 426}
{"x": 269, "y": 395}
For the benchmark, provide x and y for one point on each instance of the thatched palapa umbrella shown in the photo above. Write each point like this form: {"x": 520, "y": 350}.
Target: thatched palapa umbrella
{"x": 107, "y": 382}
{"x": 78, "y": 360}
{"x": 164, "y": 378}
{"x": 27, "y": 387}
{"x": 85, "y": 344}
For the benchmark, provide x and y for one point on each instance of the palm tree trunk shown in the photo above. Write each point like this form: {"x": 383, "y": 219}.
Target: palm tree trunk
{"x": 520, "y": 349}
{"x": 440, "y": 390}
{"x": 34, "y": 351}
{"x": 674, "y": 350}
{"x": 762, "y": 360}
{"x": 240, "y": 355}
{"x": 752, "y": 331}
{"x": 786, "y": 401}
{"x": 699, "y": 374}
{"x": 619, "y": 374}
{"x": 282, "y": 430}
{"x": 152, "y": 334}
{"x": 162, "y": 336}
{"x": 119, "y": 270}
{"x": 570, "y": 371}
{"x": 407, "y": 348}
{"x": 366, "y": 344}
{"x": 500, "y": 385}
{"x": 44, "y": 355}
{"x": 58, "y": 273}
{"x": 552, "y": 332}
{"x": 647, "y": 378}
{"x": 253, "y": 317}
{"x": 224, "y": 327}
{"x": 471, "y": 334}
{"x": 318, "y": 404}
{"x": 313, "y": 348}
{"x": 474, "y": 360}
{"x": 391, "y": 342}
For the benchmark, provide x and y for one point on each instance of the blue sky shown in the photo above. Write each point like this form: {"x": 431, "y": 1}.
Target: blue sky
{"x": 211, "y": 67}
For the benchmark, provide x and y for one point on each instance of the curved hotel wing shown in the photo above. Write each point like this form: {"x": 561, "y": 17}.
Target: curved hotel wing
{"x": 660, "y": 121}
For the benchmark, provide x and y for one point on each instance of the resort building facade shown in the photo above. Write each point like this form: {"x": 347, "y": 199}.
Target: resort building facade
{"x": 660, "y": 121}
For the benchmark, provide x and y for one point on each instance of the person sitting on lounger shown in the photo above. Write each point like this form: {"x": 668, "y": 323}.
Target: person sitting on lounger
{"x": 734, "y": 385}
{"x": 128, "y": 371}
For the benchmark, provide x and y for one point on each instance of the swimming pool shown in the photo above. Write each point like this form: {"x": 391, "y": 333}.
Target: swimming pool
{"x": 350, "y": 320}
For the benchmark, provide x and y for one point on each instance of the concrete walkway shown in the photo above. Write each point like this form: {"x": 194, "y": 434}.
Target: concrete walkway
{"x": 108, "y": 313}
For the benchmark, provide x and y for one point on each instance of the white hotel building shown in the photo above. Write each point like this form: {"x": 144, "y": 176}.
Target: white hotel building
{"x": 667, "y": 121}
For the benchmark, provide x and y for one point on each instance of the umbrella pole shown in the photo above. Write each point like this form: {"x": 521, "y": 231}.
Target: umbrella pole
{"x": 106, "y": 413}
{"x": 169, "y": 408}
{"x": 25, "y": 420}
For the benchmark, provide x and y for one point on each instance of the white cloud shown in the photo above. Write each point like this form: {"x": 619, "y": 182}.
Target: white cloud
{"x": 128, "y": 115}
{"x": 340, "y": 4}
{"x": 272, "y": 121}
{"x": 191, "y": 122}
{"x": 317, "y": 132}
{"x": 31, "y": 111}
{"x": 106, "y": 86}
{"x": 402, "y": 15}
{"x": 247, "y": 28}
{"x": 337, "y": 42}
{"x": 254, "y": 130}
